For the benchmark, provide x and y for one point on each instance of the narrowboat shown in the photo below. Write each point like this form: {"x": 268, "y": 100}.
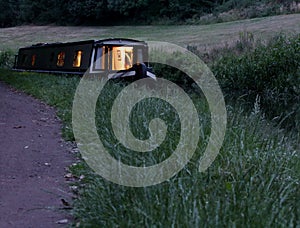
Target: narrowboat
{"x": 113, "y": 58}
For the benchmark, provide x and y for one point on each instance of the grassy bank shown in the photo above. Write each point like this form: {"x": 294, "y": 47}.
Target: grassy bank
{"x": 255, "y": 179}
{"x": 253, "y": 182}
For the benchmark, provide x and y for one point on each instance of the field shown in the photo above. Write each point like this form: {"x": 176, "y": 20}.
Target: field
{"x": 254, "y": 181}
{"x": 205, "y": 36}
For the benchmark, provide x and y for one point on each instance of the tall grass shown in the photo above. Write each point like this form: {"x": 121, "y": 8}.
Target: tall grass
{"x": 250, "y": 71}
{"x": 271, "y": 72}
{"x": 253, "y": 182}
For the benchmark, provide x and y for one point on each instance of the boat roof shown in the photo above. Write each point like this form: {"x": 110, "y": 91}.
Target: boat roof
{"x": 120, "y": 41}
{"x": 109, "y": 41}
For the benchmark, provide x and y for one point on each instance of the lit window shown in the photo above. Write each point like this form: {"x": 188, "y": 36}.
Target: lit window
{"x": 77, "y": 59}
{"x": 122, "y": 58}
{"x": 33, "y": 58}
{"x": 60, "y": 59}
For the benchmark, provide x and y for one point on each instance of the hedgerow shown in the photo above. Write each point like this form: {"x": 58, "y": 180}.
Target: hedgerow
{"x": 6, "y": 59}
{"x": 269, "y": 74}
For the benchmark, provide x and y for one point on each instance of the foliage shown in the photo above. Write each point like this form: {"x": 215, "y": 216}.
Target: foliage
{"x": 253, "y": 182}
{"x": 255, "y": 179}
{"x": 250, "y": 72}
{"x": 104, "y": 12}
{"x": 6, "y": 59}
{"x": 271, "y": 73}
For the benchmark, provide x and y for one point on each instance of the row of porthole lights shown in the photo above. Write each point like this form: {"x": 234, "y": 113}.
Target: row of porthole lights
{"x": 61, "y": 59}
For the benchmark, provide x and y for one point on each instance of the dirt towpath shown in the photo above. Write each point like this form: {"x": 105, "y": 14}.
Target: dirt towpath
{"x": 33, "y": 158}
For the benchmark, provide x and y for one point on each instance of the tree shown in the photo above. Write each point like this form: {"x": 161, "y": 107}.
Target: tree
{"x": 85, "y": 11}
{"x": 9, "y": 10}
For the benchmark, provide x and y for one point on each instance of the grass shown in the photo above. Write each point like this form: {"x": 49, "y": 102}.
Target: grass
{"x": 203, "y": 36}
{"x": 254, "y": 181}
{"x": 269, "y": 73}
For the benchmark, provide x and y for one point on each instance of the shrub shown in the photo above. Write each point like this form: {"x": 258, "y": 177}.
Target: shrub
{"x": 253, "y": 71}
{"x": 6, "y": 59}
{"x": 271, "y": 71}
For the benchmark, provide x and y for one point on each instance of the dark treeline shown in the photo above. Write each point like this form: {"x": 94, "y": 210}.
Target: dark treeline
{"x": 108, "y": 12}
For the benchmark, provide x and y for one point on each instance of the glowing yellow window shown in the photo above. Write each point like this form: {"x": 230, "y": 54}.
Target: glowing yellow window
{"x": 122, "y": 58}
{"x": 61, "y": 59}
{"x": 33, "y": 58}
{"x": 77, "y": 59}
